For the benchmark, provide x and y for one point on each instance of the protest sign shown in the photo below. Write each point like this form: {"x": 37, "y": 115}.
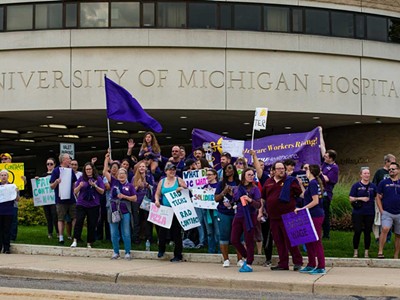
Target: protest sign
{"x": 204, "y": 198}
{"x": 64, "y": 188}
{"x": 15, "y": 173}
{"x": 183, "y": 209}
{"x": 195, "y": 178}
{"x": 260, "y": 118}
{"x": 8, "y": 192}
{"x": 41, "y": 191}
{"x": 161, "y": 216}
{"x": 299, "y": 227}
{"x": 233, "y": 147}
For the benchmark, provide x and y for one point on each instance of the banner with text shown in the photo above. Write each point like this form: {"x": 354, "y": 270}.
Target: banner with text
{"x": 204, "y": 198}
{"x": 195, "y": 178}
{"x": 161, "y": 216}
{"x": 300, "y": 227}
{"x": 302, "y": 147}
{"x": 41, "y": 191}
{"x": 183, "y": 209}
{"x": 15, "y": 173}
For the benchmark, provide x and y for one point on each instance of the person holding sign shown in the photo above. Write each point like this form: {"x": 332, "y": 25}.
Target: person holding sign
{"x": 248, "y": 199}
{"x": 169, "y": 184}
{"x": 9, "y": 195}
{"x": 88, "y": 190}
{"x": 313, "y": 200}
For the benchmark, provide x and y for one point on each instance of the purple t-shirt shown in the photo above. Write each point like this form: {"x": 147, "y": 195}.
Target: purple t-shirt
{"x": 332, "y": 172}
{"x": 312, "y": 190}
{"x": 253, "y": 193}
{"x": 364, "y": 190}
{"x": 88, "y": 195}
{"x": 126, "y": 189}
{"x": 221, "y": 207}
{"x": 390, "y": 191}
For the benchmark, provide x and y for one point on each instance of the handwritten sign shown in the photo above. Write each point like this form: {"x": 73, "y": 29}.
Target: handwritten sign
{"x": 260, "y": 118}
{"x": 234, "y": 147}
{"x": 15, "y": 173}
{"x": 8, "y": 192}
{"x": 41, "y": 191}
{"x": 161, "y": 216}
{"x": 183, "y": 209}
{"x": 195, "y": 178}
{"x": 204, "y": 198}
{"x": 300, "y": 227}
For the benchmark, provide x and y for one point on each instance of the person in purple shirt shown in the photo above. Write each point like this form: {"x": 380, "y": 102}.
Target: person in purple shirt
{"x": 248, "y": 199}
{"x": 330, "y": 175}
{"x": 362, "y": 198}
{"x": 313, "y": 201}
{"x": 211, "y": 216}
{"x": 88, "y": 190}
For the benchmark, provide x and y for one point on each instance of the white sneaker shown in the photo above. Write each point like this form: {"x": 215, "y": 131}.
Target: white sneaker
{"x": 240, "y": 263}
{"x": 73, "y": 245}
{"x": 115, "y": 256}
{"x": 128, "y": 256}
{"x": 226, "y": 263}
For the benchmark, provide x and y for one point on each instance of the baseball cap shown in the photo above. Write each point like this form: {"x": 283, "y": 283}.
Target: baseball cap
{"x": 8, "y": 155}
{"x": 169, "y": 166}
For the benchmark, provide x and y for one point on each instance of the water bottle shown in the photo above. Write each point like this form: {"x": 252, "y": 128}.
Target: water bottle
{"x": 147, "y": 245}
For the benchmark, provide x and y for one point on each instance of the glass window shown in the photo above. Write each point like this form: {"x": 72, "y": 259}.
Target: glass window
{"x": 225, "y": 11}
{"x": 297, "y": 20}
{"x": 394, "y": 30}
{"x": 71, "y": 15}
{"x": 377, "y": 29}
{"x": 342, "y": 24}
{"x": 20, "y": 17}
{"x": 360, "y": 26}
{"x": 171, "y": 15}
{"x": 1, "y": 18}
{"x": 276, "y": 18}
{"x": 125, "y": 14}
{"x": 317, "y": 21}
{"x": 247, "y": 17}
{"x": 94, "y": 14}
{"x": 202, "y": 15}
{"x": 148, "y": 14}
{"x": 48, "y": 16}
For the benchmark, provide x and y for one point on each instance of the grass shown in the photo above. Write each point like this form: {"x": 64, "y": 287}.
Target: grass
{"x": 339, "y": 245}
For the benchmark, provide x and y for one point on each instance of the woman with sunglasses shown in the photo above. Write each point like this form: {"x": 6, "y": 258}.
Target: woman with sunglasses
{"x": 362, "y": 198}
{"x": 226, "y": 212}
{"x": 248, "y": 199}
{"x": 88, "y": 190}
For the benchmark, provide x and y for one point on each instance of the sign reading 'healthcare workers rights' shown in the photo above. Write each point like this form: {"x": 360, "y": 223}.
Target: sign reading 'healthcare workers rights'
{"x": 42, "y": 192}
{"x": 183, "y": 209}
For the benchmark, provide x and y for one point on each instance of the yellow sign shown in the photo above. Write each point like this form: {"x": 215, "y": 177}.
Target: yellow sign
{"x": 15, "y": 173}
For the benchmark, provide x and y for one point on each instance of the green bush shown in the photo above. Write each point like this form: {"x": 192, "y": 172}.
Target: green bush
{"x": 28, "y": 214}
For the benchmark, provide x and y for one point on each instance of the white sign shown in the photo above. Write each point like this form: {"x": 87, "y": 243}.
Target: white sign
{"x": 64, "y": 188}
{"x": 233, "y": 147}
{"x": 161, "y": 216}
{"x": 42, "y": 192}
{"x": 67, "y": 148}
{"x": 195, "y": 178}
{"x": 204, "y": 198}
{"x": 260, "y": 118}
{"x": 8, "y": 192}
{"x": 183, "y": 209}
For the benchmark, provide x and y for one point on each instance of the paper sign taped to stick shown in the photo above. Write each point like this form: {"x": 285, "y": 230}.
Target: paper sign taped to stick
{"x": 161, "y": 216}
{"x": 183, "y": 209}
{"x": 300, "y": 227}
{"x": 204, "y": 198}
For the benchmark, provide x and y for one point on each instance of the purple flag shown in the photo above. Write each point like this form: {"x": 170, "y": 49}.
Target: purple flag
{"x": 122, "y": 106}
{"x": 300, "y": 227}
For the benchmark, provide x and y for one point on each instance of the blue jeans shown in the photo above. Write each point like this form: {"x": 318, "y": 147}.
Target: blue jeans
{"x": 126, "y": 233}
{"x": 200, "y": 215}
{"x": 212, "y": 230}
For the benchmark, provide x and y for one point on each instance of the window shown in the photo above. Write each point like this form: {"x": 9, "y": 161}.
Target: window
{"x": 125, "y": 14}
{"x": 225, "y": 12}
{"x": 297, "y": 20}
{"x": 171, "y": 15}
{"x": 394, "y": 30}
{"x": 247, "y": 17}
{"x": 276, "y": 19}
{"x": 48, "y": 16}
{"x": 202, "y": 15}
{"x": 317, "y": 21}
{"x": 94, "y": 14}
{"x": 71, "y": 15}
{"x": 148, "y": 15}
{"x": 360, "y": 26}
{"x": 19, "y": 17}
{"x": 342, "y": 24}
{"x": 1, "y": 18}
{"x": 377, "y": 28}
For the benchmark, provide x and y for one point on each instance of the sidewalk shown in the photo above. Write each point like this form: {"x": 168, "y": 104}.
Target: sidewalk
{"x": 62, "y": 263}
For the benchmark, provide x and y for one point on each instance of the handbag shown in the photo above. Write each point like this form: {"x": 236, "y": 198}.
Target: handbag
{"x": 116, "y": 215}
{"x": 145, "y": 205}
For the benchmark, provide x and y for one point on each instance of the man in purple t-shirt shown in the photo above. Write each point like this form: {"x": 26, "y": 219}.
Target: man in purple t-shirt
{"x": 330, "y": 173}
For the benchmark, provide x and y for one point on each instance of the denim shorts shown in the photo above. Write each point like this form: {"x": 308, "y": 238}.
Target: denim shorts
{"x": 389, "y": 219}
{"x": 225, "y": 228}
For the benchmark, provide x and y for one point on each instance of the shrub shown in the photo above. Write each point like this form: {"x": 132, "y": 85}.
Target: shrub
{"x": 28, "y": 214}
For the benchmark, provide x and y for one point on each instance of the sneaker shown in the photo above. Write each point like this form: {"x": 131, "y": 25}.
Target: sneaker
{"x": 49, "y": 236}
{"x": 226, "y": 263}
{"x": 240, "y": 263}
{"x": 306, "y": 269}
{"x": 267, "y": 263}
{"x": 176, "y": 259}
{"x": 245, "y": 268}
{"x": 296, "y": 268}
{"x": 73, "y": 245}
{"x": 317, "y": 272}
{"x": 279, "y": 268}
{"x": 115, "y": 256}
{"x": 89, "y": 245}
{"x": 128, "y": 256}
{"x": 160, "y": 254}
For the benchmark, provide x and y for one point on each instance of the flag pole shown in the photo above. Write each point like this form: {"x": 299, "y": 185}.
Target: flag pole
{"x": 252, "y": 141}
{"x": 109, "y": 136}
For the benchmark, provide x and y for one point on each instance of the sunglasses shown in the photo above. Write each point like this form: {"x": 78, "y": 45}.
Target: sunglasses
{"x": 392, "y": 169}
{"x": 50, "y": 164}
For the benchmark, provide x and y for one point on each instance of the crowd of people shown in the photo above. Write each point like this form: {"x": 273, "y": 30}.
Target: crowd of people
{"x": 251, "y": 201}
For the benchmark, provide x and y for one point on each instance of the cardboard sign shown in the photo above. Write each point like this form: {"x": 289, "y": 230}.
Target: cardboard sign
{"x": 300, "y": 227}
{"x": 8, "y": 192}
{"x": 15, "y": 173}
{"x": 42, "y": 192}
{"x": 161, "y": 216}
{"x": 204, "y": 198}
{"x": 195, "y": 178}
{"x": 183, "y": 209}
